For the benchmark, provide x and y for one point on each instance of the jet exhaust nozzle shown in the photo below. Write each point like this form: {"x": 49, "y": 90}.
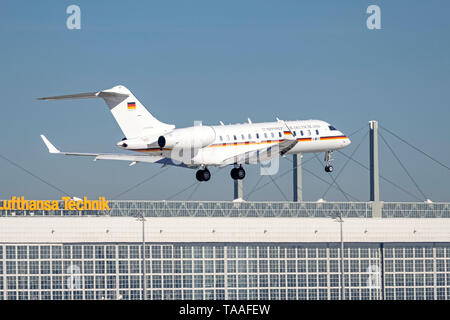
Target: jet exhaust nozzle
{"x": 161, "y": 142}
{"x": 132, "y": 144}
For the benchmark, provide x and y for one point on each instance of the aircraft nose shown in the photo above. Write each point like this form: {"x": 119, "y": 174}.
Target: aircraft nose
{"x": 348, "y": 141}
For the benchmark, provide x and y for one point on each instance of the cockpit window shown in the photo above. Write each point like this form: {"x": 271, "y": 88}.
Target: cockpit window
{"x": 332, "y": 128}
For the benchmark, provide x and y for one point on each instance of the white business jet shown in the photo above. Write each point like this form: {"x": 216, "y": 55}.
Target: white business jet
{"x": 200, "y": 147}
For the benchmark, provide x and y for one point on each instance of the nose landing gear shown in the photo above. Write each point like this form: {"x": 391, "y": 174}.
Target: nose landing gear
{"x": 328, "y": 159}
{"x": 237, "y": 173}
{"x": 203, "y": 175}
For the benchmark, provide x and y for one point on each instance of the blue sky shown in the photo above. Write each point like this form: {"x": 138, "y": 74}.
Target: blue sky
{"x": 211, "y": 61}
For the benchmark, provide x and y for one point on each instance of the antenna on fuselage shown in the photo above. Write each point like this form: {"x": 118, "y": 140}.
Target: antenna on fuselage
{"x": 221, "y": 123}
{"x": 249, "y": 120}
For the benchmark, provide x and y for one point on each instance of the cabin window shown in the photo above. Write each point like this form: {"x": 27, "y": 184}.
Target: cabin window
{"x": 234, "y": 136}
{"x": 273, "y": 136}
{"x": 309, "y": 132}
{"x": 265, "y": 135}
{"x": 220, "y": 137}
{"x": 257, "y": 136}
{"x": 294, "y": 133}
{"x": 301, "y": 132}
{"x": 249, "y": 136}
{"x": 279, "y": 134}
{"x": 332, "y": 128}
{"x": 243, "y": 137}
{"x": 228, "y": 137}
{"x": 317, "y": 132}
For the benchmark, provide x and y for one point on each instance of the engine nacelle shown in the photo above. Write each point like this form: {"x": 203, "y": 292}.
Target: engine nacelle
{"x": 192, "y": 137}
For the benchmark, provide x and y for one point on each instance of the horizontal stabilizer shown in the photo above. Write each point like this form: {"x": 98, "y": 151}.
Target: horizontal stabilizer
{"x": 86, "y": 95}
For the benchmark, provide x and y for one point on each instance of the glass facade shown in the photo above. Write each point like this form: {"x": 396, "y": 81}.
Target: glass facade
{"x": 417, "y": 272}
{"x": 224, "y": 271}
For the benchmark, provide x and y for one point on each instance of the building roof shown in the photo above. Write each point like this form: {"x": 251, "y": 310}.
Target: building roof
{"x": 239, "y": 230}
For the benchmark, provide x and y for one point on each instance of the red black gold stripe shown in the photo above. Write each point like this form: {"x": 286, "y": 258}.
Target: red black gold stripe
{"x": 131, "y": 105}
{"x": 333, "y": 137}
{"x": 246, "y": 143}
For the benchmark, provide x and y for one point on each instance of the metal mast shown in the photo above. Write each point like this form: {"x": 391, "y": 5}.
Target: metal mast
{"x": 297, "y": 182}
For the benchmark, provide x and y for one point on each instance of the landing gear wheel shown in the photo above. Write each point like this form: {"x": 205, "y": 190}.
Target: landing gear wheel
{"x": 233, "y": 173}
{"x": 328, "y": 168}
{"x": 203, "y": 175}
{"x": 240, "y": 173}
{"x": 206, "y": 175}
{"x": 237, "y": 173}
{"x": 199, "y": 175}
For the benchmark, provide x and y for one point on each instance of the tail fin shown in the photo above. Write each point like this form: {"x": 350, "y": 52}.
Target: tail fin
{"x": 131, "y": 116}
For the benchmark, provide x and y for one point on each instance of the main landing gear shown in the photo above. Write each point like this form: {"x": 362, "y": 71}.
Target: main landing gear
{"x": 237, "y": 173}
{"x": 203, "y": 175}
{"x": 328, "y": 159}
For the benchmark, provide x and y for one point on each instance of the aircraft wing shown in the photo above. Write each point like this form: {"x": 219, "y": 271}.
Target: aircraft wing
{"x": 262, "y": 154}
{"x": 266, "y": 153}
{"x": 114, "y": 156}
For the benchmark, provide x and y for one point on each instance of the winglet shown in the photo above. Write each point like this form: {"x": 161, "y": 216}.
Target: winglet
{"x": 50, "y": 146}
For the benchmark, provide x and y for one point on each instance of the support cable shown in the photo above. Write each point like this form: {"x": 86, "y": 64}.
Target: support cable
{"x": 345, "y": 164}
{"x": 326, "y": 182}
{"x": 193, "y": 191}
{"x": 334, "y": 180}
{"x": 415, "y": 148}
{"x": 303, "y": 162}
{"x": 34, "y": 175}
{"x": 278, "y": 177}
{"x": 276, "y": 184}
{"x": 321, "y": 179}
{"x": 267, "y": 183}
{"x": 290, "y": 170}
{"x": 383, "y": 178}
{"x": 403, "y": 167}
{"x": 355, "y": 132}
{"x": 183, "y": 190}
{"x": 139, "y": 184}
{"x": 256, "y": 185}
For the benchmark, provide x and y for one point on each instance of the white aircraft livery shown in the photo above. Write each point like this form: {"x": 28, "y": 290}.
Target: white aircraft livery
{"x": 199, "y": 147}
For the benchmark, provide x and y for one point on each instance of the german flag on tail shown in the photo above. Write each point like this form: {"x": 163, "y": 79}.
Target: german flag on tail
{"x": 131, "y": 105}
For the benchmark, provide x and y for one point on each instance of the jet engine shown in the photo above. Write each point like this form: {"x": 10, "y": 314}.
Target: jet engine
{"x": 192, "y": 137}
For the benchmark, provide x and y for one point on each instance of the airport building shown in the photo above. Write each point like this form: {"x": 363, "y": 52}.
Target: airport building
{"x": 228, "y": 250}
